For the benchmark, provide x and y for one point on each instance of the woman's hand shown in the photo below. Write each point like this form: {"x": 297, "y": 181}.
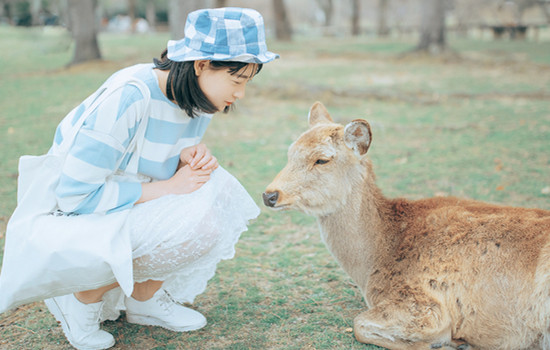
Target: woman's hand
{"x": 198, "y": 157}
{"x": 196, "y": 165}
{"x": 187, "y": 179}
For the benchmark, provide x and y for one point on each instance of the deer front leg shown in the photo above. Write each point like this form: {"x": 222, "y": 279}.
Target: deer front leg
{"x": 405, "y": 325}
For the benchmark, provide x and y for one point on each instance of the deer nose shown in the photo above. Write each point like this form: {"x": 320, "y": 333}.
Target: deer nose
{"x": 270, "y": 198}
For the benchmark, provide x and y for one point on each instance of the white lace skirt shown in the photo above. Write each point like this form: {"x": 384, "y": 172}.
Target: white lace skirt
{"x": 180, "y": 239}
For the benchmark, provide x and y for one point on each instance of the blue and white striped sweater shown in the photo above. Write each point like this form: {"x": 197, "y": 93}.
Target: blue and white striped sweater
{"x": 84, "y": 185}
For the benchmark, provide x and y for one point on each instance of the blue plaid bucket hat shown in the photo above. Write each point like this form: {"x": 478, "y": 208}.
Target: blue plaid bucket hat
{"x": 222, "y": 34}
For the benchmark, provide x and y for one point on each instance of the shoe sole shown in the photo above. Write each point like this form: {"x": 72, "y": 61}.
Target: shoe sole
{"x": 152, "y": 321}
{"x": 58, "y": 314}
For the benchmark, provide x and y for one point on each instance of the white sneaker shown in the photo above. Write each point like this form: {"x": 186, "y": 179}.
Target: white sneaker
{"x": 80, "y": 322}
{"x": 161, "y": 310}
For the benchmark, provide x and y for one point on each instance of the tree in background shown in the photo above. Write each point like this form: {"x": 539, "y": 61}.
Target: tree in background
{"x": 355, "y": 10}
{"x": 283, "y": 31}
{"x": 132, "y": 13}
{"x": 383, "y": 29}
{"x": 523, "y": 5}
{"x": 177, "y": 14}
{"x": 327, "y": 7}
{"x": 544, "y": 5}
{"x": 432, "y": 27}
{"x": 176, "y": 18}
{"x": 35, "y": 9}
{"x": 151, "y": 14}
{"x": 84, "y": 27}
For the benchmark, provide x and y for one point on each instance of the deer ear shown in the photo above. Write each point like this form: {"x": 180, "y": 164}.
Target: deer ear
{"x": 357, "y": 136}
{"x": 318, "y": 114}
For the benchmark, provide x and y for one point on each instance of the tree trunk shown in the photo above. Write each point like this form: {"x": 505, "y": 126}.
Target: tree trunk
{"x": 383, "y": 29}
{"x": 355, "y": 10}
{"x": 151, "y": 14}
{"x": 5, "y": 10}
{"x": 35, "y": 9}
{"x": 221, "y": 3}
{"x": 132, "y": 14}
{"x": 177, "y": 15}
{"x": 82, "y": 17}
{"x": 328, "y": 8}
{"x": 432, "y": 35}
{"x": 544, "y": 9}
{"x": 283, "y": 30}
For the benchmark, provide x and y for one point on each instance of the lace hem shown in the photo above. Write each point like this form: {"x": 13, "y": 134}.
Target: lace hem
{"x": 180, "y": 239}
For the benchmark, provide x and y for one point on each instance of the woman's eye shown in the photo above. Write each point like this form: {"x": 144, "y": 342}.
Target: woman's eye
{"x": 321, "y": 161}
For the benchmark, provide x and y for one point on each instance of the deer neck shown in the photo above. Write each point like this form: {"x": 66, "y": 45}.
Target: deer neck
{"x": 356, "y": 233}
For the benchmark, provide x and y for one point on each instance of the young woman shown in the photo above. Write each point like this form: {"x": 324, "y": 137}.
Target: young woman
{"x": 139, "y": 150}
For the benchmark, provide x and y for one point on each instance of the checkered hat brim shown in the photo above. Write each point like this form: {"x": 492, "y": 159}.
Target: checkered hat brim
{"x": 224, "y": 34}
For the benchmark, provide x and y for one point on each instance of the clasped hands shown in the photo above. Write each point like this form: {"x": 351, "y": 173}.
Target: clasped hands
{"x": 194, "y": 169}
{"x": 196, "y": 165}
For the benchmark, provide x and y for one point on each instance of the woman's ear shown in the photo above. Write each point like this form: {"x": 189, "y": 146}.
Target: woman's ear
{"x": 200, "y": 66}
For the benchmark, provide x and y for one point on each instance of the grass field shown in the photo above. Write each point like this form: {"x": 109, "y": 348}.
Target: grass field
{"x": 475, "y": 125}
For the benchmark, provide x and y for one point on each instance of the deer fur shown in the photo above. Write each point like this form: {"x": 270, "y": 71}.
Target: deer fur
{"x": 434, "y": 273}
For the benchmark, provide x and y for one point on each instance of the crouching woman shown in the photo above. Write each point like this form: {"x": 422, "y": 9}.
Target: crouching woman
{"x": 133, "y": 147}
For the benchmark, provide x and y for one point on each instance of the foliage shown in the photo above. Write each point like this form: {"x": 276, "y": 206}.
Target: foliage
{"x": 475, "y": 126}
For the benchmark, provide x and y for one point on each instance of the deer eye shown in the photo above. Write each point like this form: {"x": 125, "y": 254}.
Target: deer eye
{"x": 321, "y": 161}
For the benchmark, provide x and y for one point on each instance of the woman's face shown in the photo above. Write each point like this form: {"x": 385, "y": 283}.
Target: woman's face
{"x": 221, "y": 87}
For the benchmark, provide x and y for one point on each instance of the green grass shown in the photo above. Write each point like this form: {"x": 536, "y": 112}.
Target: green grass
{"x": 477, "y": 126}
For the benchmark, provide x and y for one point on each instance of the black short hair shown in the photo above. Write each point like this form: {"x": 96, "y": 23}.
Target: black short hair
{"x": 182, "y": 85}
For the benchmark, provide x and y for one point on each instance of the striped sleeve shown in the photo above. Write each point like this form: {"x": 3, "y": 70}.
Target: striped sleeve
{"x": 84, "y": 185}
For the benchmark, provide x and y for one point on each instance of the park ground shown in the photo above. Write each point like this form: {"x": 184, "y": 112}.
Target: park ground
{"x": 474, "y": 123}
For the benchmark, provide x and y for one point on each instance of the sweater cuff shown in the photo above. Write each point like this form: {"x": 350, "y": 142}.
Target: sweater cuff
{"x": 128, "y": 194}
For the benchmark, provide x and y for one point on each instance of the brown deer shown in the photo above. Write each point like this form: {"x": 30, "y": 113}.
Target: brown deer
{"x": 434, "y": 273}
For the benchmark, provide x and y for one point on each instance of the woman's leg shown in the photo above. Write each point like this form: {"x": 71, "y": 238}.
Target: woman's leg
{"x": 94, "y": 295}
{"x": 145, "y": 290}
{"x": 142, "y": 291}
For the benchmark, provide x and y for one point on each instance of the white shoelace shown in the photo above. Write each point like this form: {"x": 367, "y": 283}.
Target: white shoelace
{"x": 166, "y": 302}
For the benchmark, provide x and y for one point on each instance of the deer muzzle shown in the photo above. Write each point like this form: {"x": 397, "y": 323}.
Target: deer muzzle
{"x": 270, "y": 198}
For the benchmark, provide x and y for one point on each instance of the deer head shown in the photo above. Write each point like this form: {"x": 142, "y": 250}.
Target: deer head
{"x": 326, "y": 164}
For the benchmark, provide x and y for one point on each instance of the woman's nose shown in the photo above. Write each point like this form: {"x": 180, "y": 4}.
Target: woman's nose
{"x": 240, "y": 92}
